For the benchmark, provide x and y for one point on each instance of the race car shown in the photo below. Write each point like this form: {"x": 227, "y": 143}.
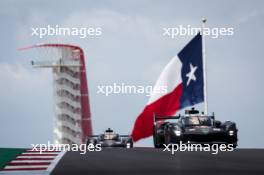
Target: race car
{"x": 111, "y": 139}
{"x": 193, "y": 127}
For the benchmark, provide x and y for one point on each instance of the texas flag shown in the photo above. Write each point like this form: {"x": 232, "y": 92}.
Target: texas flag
{"x": 183, "y": 77}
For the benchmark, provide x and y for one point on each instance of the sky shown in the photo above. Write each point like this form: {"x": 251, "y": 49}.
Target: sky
{"x": 131, "y": 50}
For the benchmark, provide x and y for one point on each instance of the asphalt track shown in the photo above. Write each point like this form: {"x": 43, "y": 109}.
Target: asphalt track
{"x": 154, "y": 161}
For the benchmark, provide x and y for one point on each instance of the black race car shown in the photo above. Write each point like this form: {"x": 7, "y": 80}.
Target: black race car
{"x": 111, "y": 139}
{"x": 193, "y": 128}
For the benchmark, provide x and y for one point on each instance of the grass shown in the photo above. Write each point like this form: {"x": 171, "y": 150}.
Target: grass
{"x": 8, "y": 154}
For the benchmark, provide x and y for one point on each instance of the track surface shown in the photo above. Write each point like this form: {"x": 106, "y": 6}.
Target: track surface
{"x": 154, "y": 161}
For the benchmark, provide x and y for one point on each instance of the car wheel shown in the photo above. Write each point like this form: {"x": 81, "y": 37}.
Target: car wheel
{"x": 129, "y": 144}
{"x": 167, "y": 139}
{"x": 157, "y": 144}
{"x": 234, "y": 145}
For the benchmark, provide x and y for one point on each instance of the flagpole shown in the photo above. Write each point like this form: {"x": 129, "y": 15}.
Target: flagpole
{"x": 204, "y": 68}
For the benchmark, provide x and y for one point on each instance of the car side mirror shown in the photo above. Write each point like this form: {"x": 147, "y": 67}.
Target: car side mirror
{"x": 217, "y": 123}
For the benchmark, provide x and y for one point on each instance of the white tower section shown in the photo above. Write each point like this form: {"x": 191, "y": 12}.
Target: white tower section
{"x": 72, "y": 122}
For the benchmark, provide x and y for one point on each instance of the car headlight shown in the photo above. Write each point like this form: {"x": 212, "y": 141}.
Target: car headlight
{"x": 128, "y": 145}
{"x": 231, "y": 132}
{"x": 178, "y": 132}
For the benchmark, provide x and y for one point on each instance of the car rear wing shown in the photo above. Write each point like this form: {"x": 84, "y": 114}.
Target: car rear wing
{"x": 159, "y": 118}
{"x": 100, "y": 135}
{"x": 94, "y": 136}
{"x": 124, "y": 136}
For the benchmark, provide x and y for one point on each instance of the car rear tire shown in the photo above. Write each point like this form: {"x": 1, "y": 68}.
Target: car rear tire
{"x": 167, "y": 139}
{"x": 157, "y": 144}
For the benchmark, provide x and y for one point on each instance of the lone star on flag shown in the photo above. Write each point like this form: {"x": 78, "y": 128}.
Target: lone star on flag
{"x": 191, "y": 75}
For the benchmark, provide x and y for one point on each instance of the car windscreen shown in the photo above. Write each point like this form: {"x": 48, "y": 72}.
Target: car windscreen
{"x": 110, "y": 136}
{"x": 197, "y": 121}
{"x": 205, "y": 121}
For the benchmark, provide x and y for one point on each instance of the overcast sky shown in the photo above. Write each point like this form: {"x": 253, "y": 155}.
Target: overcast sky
{"x": 131, "y": 50}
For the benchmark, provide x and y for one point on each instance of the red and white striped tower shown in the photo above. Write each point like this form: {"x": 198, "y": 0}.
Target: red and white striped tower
{"x": 72, "y": 108}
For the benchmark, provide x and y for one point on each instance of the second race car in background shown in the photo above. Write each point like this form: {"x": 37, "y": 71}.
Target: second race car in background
{"x": 111, "y": 139}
